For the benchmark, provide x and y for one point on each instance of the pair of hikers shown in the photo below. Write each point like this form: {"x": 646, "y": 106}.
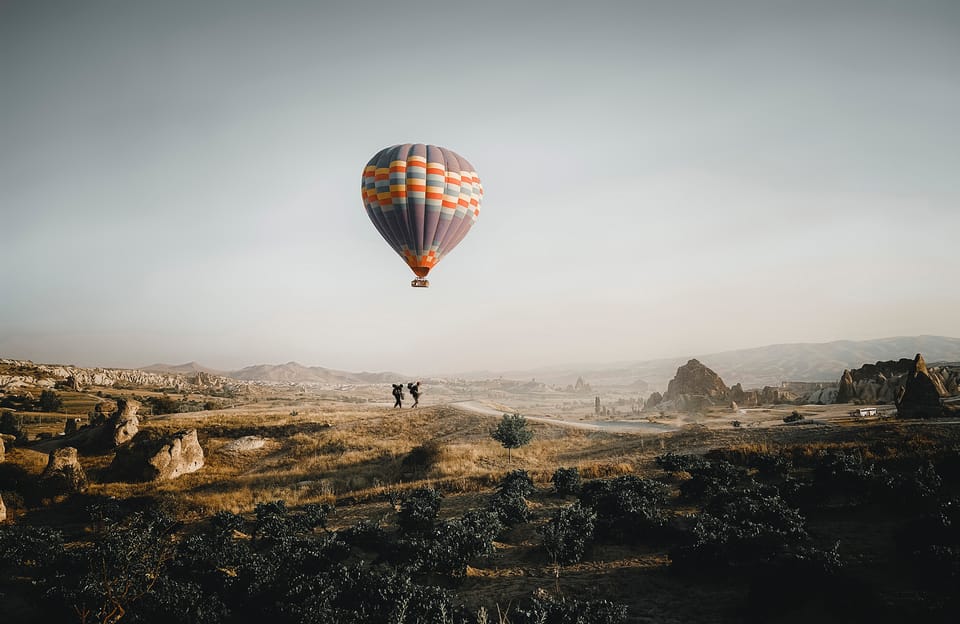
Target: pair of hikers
{"x": 414, "y": 389}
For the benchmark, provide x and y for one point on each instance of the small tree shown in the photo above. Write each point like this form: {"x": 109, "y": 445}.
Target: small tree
{"x": 512, "y": 433}
{"x": 50, "y": 402}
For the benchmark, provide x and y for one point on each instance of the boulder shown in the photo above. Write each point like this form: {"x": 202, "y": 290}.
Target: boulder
{"x": 154, "y": 457}
{"x": 63, "y": 474}
{"x": 244, "y": 444}
{"x": 920, "y": 396}
{"x": 102, "y": 412}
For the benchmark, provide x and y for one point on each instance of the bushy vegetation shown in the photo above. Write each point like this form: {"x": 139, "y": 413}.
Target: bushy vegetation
{"x": 11, "y": 424}
{"x": 627, "y": 508}
{"x": 567, "y": 535}
{"x": 542, "y": 610}
{"x": 49, "y": 401}
{"x": 279, "y": 566}
{"x": 509, "y": 502}
{"x": 566, "y": 481}
{"x": 419, "y": 510}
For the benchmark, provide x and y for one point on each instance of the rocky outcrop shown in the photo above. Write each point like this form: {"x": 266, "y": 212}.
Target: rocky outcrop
{"x": 28, "y": 374}
{"x": 695, "y": 378}
{"x": 3, "y": 510}
{"x": 694, "y": 388}
{"x": 823, "y": 396}
{"x": 102, "y": 411}
{"x": 124, "y": 424}
{"x": 63, "y": 474}
{"x": 882, "y": 382}
{"x": 153, "y": 457}
{"x": 655, "y": 399}
{"x": 777, "y": 396}
{"x": 109, "y": 429}
{"x": 744, "y": 398}
{"x": 846, "y": 391}
{"x": 920, "y": 396}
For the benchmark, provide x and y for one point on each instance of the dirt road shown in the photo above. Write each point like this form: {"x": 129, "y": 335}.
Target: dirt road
{"x": 611, "y": 426}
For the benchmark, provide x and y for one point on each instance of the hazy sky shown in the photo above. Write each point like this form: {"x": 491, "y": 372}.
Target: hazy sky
{"x": 180, "y": 180}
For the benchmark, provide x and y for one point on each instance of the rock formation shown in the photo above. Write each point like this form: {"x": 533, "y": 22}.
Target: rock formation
{"x": 744, "y": 398}
{"x": 63, "y": 474}
{"x": 102, "y": 412}
{"x": 654, "y": 400}
{"x": 694, "y": 388}
{"x": 29, "y": 374}
{"x": 823, "y": 396}
{"x": 3, "y": 451}
{"x": 695, "y": 378}
{"x": 244, "y": 444}
{"x": 152, "y": 457}
{"x": 846, "y": 391}
{"x": 883, "y": 381}
{"x": 777, "y": 396}
{"x": 3, "y": 510}
{"x": 920, "y": 396}
{"x": 124, "y": 425}
{"x": 109, "y": 428}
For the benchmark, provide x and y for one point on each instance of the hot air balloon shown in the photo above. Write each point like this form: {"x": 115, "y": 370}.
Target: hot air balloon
{"x": 423, "y": 199}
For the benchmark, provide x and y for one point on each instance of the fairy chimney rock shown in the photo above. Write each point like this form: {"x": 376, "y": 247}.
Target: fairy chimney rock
{"x": 920, "y": 396}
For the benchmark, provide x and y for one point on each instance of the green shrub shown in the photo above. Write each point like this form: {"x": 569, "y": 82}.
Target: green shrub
{"x": 419, "y": 510}
{"x": 568, "y": 534}
{"x": 566, "y": 481}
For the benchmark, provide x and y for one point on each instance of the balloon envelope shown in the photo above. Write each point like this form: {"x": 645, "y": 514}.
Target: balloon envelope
{"x": 423, "y": 199}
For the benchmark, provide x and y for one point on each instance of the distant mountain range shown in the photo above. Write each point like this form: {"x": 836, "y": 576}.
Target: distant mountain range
{"x": 291, "y": 372}
{"x": 754, "y": 368}
{"x": 757, "y": 367}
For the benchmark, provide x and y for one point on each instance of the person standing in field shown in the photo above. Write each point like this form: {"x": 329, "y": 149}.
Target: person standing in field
{"x": 414, "y": 389}
{"x": 398, "y": 395}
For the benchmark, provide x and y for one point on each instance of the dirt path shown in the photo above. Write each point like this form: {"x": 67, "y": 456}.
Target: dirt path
{"x": 611, "y": 426}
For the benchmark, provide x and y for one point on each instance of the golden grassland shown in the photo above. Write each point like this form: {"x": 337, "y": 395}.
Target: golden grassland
{"x": 331, "y": 452}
